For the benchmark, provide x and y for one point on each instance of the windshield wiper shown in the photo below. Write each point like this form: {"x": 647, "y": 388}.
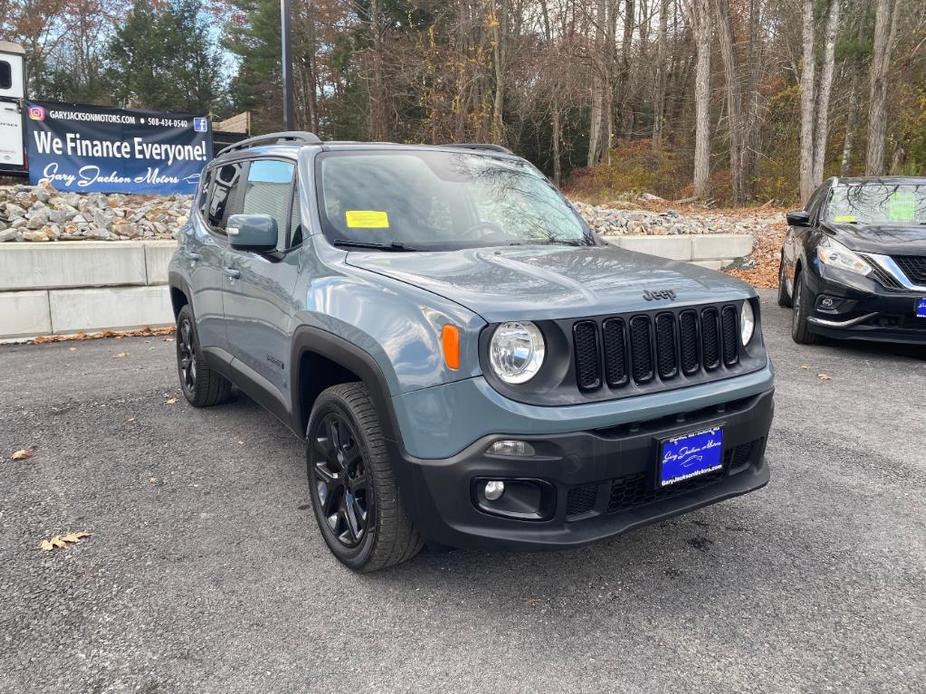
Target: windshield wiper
{"x": 393, "y": 246}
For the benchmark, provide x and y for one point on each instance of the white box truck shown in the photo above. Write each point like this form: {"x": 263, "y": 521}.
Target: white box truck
{"x": 12, "y": 95}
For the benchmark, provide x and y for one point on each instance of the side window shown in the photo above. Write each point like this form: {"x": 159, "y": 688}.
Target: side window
{"x": 815, "y": 204}
{"x": 268, "y": 190}
{"x": 202, "y": 203}
{"x": 6, "y": 75}
{"x": 222, "y": 197}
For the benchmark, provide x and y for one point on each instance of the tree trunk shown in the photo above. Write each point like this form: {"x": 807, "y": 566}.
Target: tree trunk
{"x": 808, "y": 65}
{"x": 823, "y": 95}
{"x": 845, "y": 161}
{"x": 378, "y": 132}
{"x": 659, "y": 98}
{"x": 499, "y": 52}
{"x": 702, "y": 154}
{"x": 725, "y": 35}
{"x": 598, "y": 86}
{"x": 557, "y": 136}
{"x": 885, "y": 33}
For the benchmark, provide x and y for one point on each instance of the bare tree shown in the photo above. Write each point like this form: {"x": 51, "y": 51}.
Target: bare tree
{"x": 734, "y": 121}
{"x": 702, "y": 153}
{"x": 808, "y": 68}
{"x": 659, "y": 96}
{"x": 883, "y": 46}
{"x": 823, "y": 94}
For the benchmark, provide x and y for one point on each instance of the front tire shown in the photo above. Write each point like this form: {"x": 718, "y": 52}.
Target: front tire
{"x": 357, "y": 504}
{"x": 201, "y": 386}
{"x": 803, "y": 305}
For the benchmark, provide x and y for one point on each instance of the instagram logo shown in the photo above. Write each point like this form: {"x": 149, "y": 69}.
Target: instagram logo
{"x": 36, "y": 113}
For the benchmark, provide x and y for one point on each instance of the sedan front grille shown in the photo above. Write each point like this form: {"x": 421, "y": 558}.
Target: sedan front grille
{"x": 913, "y": 266}
{"x": 664, "y": 347}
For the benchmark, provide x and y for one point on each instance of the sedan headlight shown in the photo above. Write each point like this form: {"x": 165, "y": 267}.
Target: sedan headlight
{"x": 516, "y": 351}
{"x": 836, "y": 255}
{"x": 747, "y": 322}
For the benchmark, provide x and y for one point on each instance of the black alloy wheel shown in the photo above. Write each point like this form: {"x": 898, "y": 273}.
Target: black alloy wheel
{"x": 201, "y": 386}
{"x": 340, "y": 480}
{"x": 186, "y": 358}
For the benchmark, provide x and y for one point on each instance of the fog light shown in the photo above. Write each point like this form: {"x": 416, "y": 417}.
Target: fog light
{"x": 512, "y": 448}
{"x": 494, "y": 490}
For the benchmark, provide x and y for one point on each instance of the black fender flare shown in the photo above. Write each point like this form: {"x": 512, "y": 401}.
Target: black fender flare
{"x": 177, "y": 281}
{"x": 350, "y": 356}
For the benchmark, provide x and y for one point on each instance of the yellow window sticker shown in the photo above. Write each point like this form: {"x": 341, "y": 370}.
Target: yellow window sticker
{"x": 845, "y": 219}
{"x": 366, "y": 219}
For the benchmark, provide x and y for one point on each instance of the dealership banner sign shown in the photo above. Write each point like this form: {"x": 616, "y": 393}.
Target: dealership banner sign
{"x": 96, "y": 149}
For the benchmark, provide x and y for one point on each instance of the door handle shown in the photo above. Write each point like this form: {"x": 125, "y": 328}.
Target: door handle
{"x": 232, "y": 273}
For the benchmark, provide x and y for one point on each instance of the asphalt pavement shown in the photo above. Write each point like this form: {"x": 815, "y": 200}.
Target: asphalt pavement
{"x": 205, "y": 572}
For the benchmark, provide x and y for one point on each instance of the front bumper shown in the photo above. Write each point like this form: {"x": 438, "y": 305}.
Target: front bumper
{"x": 864, "y": 309}
{"x": 598, "y": 483}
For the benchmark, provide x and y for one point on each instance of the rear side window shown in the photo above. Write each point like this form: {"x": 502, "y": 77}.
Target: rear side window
{"x": 6, "y": 75}
{"x": 222, "y": 197}
{"x": 269, "y": 190}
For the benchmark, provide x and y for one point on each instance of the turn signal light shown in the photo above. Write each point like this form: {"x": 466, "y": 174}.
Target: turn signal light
{"x": 450, "y": 341}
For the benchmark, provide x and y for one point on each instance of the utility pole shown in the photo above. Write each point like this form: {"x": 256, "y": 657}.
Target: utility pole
{"x": 289, "y": 111}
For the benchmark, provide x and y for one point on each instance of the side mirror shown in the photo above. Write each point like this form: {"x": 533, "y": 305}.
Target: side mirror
{"x": 252, "y": 232}
{"x": 799, "y": 219}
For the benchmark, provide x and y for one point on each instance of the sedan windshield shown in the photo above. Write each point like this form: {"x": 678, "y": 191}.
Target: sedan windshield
{"x": 436, "y": 200}
{"x": 877, "y": 203}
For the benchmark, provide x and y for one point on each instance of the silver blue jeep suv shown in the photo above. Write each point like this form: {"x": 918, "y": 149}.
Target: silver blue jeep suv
{"x": 467, "y": 363}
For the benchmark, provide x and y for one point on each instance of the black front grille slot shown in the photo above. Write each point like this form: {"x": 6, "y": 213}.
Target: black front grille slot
{"x": 913, "y": 266}
{"x": 666, "y": 353}
{"x": 615, "y": 352}
{"x": 730, "y": 338}
{"x": 688, "y": 341}
{"x": 588, "y": 368}
{"x": 710, "y": 338}
{"x": 581, "y": 499}
{"x": 641, "y": 349}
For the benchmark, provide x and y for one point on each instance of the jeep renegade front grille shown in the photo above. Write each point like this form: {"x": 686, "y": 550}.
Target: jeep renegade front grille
{"x": 913, "y": 266}
{"x": 662, "y": 347}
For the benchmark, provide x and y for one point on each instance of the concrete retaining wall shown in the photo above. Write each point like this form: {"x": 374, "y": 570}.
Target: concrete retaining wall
{"x": 86, "y": 286}
{"x": 83, "y": 286}
{"x": 714, "y": 251}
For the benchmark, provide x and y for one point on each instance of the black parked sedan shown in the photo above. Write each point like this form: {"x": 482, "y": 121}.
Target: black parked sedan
{"x": 853, "y": 263}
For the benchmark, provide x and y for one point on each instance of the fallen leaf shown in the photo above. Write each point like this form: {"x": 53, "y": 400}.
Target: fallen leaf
{"x": 23, "y": 454}
{"x": 824, "y": 377}
{"x": 62, "y": 541}
{"x": 130, "y": 419}
{"x": 171, "y": 401}
{"x": 144, "y": 332}
{"x": 72, "y": 349}
{"x": 121, "y": 354}
{"x": 805, "y": 366}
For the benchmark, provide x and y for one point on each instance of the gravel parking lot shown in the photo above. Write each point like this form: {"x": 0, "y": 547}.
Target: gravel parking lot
{"x": 205, "y": 573}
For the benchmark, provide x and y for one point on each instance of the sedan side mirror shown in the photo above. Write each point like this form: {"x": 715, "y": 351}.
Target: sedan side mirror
{"x": 799, "y": 219}
{"x": 252, "y": 232}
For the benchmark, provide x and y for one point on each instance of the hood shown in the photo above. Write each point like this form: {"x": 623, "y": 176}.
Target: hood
{"x": 551, "y": 282}
{"x": 883, "y": 239}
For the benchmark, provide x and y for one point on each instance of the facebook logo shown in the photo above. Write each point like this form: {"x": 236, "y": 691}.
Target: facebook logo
{"x": 201, "y": 125}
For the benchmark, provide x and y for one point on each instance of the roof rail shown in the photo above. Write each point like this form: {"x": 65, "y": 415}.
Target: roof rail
{"x": 478, "y": 145}
{"x": 300, "y": 137}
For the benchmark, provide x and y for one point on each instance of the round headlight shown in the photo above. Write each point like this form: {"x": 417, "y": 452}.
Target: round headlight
{"x": 747, "y": 322}
{"x": 516, "y": 351}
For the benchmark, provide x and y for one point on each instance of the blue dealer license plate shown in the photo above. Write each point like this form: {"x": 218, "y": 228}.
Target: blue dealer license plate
{"x": 921, "y": 308}
{"x": 690, "y": 455}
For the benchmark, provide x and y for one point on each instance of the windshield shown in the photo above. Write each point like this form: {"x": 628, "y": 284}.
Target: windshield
{"x": 433, "y": 200}
{"x": 877, "y": 203}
